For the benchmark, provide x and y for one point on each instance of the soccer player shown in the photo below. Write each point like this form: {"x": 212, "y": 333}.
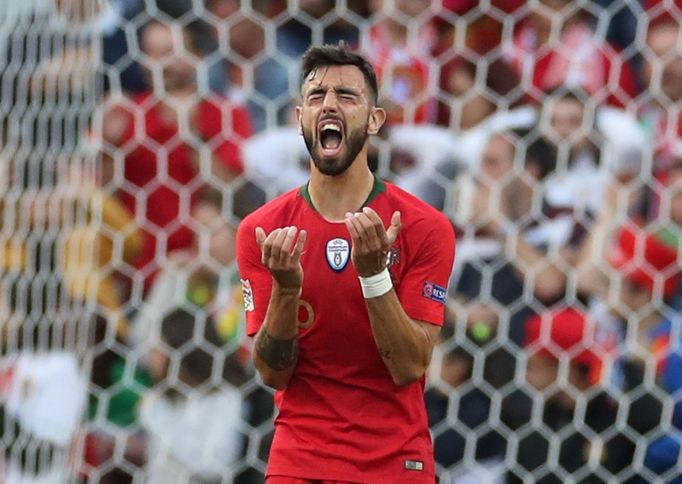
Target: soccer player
{"x": 344, "y": 287}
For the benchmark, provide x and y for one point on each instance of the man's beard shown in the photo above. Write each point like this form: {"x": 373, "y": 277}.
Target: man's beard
{"x": 336, "y": 166}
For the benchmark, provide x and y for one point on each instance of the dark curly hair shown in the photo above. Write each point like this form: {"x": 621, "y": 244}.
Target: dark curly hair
{"x": 339, "y": 55}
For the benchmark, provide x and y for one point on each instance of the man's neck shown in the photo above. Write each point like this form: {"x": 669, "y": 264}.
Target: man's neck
{"x": 334, "y": 196}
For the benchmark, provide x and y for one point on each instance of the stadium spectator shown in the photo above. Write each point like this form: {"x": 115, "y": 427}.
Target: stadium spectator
{"x": 115, "y": 47}
{"x": 400, "y": 57}
{"x": 257, "y": 85}
{"x": 423, "y": 160}
{"x": 475, "y": 110}
{"x": 204, "y": 279}
{"x": 203, "y": 276}
{"x": 75, "y": 229}
{"x": 51, "y": 298}
{"x": 169, "y": 130}
{"x": 556, "y": 45}
{"x": 193, "y": 416}
{"x": 432, "y": 157}
{"x": 469, "y": 102}
{"x": 671, "y": 231}
{"x": 91, "y": 254}
{"x": 592, "y": 149}
{"x": 40, "y": 427}
{"x": 43, "y": 385}
{"x": 648, "y": 275}
{"x": 116, "y": 387}
{"x": 277, "y": 159}
{"x": 484, "y": 32}
{"x": 563, "y": 365}
{"x": 634, "y": 268}
{"x": 660, "y": 114}
{"x": 498, "y": 203}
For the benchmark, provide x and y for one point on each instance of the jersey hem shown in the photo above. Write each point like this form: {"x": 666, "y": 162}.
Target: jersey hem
{"x": 388, "y": 479}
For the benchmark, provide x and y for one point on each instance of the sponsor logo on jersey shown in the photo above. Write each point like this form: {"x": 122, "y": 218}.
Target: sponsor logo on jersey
{"x": 414, "y": 465}
{"x": 248, "y": 295}
{"x": 338, "y": 253}
{"x": 434, "y": 292}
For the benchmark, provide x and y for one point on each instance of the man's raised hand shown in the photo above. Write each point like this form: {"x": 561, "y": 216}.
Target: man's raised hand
{"x": 281, "y": 252}
{"x": 371, "y": 241}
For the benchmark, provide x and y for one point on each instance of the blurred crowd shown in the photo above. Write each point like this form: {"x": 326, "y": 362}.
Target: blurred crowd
{"x": 137, "y": 134}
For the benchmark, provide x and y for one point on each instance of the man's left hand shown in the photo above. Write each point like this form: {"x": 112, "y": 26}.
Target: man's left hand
{"x": 371, "y": 241}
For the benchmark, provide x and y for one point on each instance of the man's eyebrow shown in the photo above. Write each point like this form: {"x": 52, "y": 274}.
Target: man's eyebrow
{"x": 348, "y": 90}
{"x": 316, "y": 90}
{"x": 338, "y": 90}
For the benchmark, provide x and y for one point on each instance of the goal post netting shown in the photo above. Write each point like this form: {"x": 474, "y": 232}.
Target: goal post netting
{"x": 135, "y": 135}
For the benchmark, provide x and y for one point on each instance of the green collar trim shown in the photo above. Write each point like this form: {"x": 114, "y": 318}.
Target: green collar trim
{"x": 377, "y": 188}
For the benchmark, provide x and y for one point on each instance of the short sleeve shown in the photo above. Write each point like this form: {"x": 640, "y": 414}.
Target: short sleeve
{"x": 423, "y": 288}
{"x": 256, "y": 280}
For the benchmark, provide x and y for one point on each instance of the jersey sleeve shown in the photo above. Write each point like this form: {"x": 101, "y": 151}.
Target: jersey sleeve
{"x": 423, "y": 288}
{"x": 255, "y": 278}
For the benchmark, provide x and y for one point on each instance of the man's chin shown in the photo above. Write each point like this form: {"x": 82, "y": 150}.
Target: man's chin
{"x": 330, "y": 166}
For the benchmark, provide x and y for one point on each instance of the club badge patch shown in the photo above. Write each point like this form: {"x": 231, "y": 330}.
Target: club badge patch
{"x": 338, "y": 253}
{"x": 248, "y": 295}
{"x": 434, "y": 292}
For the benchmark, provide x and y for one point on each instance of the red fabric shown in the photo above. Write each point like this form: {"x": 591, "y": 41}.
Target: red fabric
{"x": 579, "y": 60}
{"x": 463, "y": 6}
{"x": 408, "y": 72}
{"x": 642, "y": 258}
{"x": 296, "y": 480}
{"x": 147, "y": 138}
{"x": 663, "y": 10}
{"x": 341, "y": 416}
{"x": 569, "y": 333}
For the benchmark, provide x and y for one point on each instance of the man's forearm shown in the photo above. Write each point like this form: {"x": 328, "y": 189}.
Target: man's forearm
{"x": 404, "y": 345}
{"x": 278, "y": 354}
{"x": 276, "y": 345}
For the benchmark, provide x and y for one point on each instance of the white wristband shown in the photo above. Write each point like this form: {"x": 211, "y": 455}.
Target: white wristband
{"x": 376, "y": 285}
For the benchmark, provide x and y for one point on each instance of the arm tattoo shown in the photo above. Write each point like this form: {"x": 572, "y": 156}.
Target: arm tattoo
{"x": 278, "y": 354}
{"x": 386, "y": 354}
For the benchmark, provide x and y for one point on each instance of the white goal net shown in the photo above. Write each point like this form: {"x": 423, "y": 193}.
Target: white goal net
{"x": 135, "y": 135}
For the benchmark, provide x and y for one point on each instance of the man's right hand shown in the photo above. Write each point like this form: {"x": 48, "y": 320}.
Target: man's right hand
{"x": 281, "y": 252}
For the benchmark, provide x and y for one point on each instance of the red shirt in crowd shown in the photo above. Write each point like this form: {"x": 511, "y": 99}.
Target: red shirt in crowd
{"x": 160, "y": 162}
{"x": 579, "y": 59}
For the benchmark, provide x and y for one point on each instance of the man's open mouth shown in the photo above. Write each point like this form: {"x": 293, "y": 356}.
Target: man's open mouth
{"x": 331, "y": 137}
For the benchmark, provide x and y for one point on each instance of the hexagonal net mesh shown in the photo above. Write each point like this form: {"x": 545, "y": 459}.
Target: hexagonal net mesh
{"x": 136, "y": 134}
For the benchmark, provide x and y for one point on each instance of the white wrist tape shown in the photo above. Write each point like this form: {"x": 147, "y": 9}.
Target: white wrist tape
{"x": 376, "y": 285}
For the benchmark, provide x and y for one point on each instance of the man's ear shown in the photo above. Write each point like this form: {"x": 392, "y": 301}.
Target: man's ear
{"x": 299, "y": 120}
{"x": 376, "y": 120}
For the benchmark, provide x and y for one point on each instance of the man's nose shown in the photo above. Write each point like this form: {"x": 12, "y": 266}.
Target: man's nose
{"x": 330, "y": 102}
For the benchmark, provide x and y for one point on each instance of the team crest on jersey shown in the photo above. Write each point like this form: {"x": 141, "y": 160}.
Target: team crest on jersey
{"x": 248, "y": 295}
{"x": 338, "y": 253}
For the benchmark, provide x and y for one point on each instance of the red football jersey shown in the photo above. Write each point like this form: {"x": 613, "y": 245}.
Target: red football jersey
{"x": 341, "y": 417}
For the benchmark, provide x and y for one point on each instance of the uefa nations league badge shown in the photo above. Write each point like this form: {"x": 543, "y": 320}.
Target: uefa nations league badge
{"x": 338, "y": 253}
